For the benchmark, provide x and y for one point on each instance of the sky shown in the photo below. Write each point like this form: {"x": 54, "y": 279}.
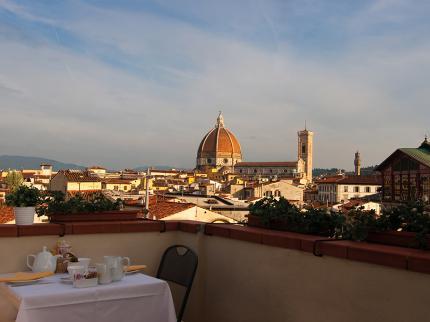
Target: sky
{"x": 130, "y": 83}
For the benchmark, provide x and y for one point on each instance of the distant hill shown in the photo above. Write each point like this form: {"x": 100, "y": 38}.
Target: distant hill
{"x": 325, "y": 172}
{"x": 22, "y": 162}
{"x": 158, "y": 167}
{"x": 332, "y": 171}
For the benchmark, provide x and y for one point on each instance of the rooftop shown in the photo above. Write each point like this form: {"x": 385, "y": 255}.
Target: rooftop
{"x": 78, "y": 176}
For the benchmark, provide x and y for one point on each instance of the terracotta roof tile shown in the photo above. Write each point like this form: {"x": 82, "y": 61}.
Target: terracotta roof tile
{"x": 6, "y": 214}
{"x": 163, "y": 209}
{"x": 219, "y": 140}
{"x": 79, "y": 176}
{"x": 118, "y": 181}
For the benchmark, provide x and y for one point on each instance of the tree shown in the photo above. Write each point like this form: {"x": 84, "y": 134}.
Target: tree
{"x": 14, "y": 179}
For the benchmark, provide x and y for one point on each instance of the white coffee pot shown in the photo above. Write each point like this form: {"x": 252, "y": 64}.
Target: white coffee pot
{"x": 43, "y": 262}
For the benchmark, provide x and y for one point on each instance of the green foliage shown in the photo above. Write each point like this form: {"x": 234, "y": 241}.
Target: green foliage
{"x": 412, "y": 217}
{"x": 14, "y": 180}
{"x": 358, "y": 224}
{"x": 280, "y": 213}
{"x": 55, "y": 203}
{"x": 23, "y": 196}
{"x": 355, "y": 224}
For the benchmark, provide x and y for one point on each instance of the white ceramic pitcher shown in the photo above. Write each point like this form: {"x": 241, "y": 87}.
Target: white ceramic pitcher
{"x": 116, "y": 266}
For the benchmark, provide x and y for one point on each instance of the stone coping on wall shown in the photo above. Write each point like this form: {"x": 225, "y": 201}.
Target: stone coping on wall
{"x": 397, "y": 257}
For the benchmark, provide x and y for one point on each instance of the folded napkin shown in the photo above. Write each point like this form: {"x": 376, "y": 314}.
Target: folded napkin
{"x": 25, "y": 276}
{"x": 132, "y": 268}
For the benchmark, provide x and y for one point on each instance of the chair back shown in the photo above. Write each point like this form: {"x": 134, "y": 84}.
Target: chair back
{"x": 179, "y": 265}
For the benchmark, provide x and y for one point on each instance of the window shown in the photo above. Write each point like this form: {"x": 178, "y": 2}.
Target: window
{"x": 225, "y": 160}
{"x": 209, "y": 161}
{"x": 356, "y": 189}
{"x": 115, "y": 187}
{"x": 303, "y": 148}
{"x": 240, "y": 171}
{"x": 277, "y": 193}
{"x": 345, "y": 189}
{"x": 368, "y": 189}
{"x": 255, "y": 170}
{"x": 125, "y": 188}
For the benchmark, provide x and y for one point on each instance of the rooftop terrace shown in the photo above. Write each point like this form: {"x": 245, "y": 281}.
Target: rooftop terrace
{"x": 252, "y": 274}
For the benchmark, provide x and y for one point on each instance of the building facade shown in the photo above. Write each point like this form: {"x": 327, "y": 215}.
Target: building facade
{"x": 337, "y": 189}
{"x": 406, "y": 174}
{"x": 293, "y": 169}
{"x": 74, "y": 181}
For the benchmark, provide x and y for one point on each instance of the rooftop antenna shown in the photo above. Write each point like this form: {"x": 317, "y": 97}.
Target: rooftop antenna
{"x": 305, "y": 125}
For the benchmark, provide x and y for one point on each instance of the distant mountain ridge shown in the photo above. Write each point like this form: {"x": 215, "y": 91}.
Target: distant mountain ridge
{"x": 332, "y": 171}
{"x": 19, "y": 162}
{"x": 158, "y": 167}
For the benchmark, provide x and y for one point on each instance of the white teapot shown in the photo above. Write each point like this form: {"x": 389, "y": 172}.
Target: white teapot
{"x": 43, "y": 262}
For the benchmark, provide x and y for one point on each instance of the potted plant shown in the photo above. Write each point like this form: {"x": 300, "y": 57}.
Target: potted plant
{"x": 24, "y": 200}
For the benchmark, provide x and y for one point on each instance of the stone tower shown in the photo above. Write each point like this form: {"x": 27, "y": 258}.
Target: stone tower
{"x": 357, "y": 163}
{"x": 305, "y": 151}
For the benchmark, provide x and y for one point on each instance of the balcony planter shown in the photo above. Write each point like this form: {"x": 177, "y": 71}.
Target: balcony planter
{"x": 397, "y": 238}
{"x": 96, "y": 216}
{"x": 255, "y": 221}
{"x": 278, "y": 224}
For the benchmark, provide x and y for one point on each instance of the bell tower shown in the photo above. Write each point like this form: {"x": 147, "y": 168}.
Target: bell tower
{"x": 357, "y": 163}
{"x": 305, "y": 150}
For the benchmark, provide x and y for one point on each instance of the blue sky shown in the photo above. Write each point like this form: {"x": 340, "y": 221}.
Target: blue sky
{"x": 125, "y": 83}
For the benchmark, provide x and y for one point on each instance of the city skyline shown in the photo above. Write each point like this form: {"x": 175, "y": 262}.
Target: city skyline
{"x": 93, "y": 82}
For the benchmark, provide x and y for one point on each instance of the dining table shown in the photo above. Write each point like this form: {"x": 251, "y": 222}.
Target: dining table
{"x": 137, "y": 297}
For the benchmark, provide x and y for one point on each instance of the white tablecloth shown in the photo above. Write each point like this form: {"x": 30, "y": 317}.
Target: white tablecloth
{"x": 137, "y": 297}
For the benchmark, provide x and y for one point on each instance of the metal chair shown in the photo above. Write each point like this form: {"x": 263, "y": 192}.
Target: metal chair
{"x": 179, "y": 265}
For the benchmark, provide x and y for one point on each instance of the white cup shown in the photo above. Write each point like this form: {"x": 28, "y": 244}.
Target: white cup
{"x": 104, "y": 273}
{"x": 84, "y": 261}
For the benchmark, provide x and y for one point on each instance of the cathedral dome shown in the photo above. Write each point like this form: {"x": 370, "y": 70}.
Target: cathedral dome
{"x": 219, "y": 147}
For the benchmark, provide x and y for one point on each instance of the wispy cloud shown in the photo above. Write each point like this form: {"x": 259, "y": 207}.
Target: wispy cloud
{"x": 133, "y": 85}
{"x": 23, "y": 12}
